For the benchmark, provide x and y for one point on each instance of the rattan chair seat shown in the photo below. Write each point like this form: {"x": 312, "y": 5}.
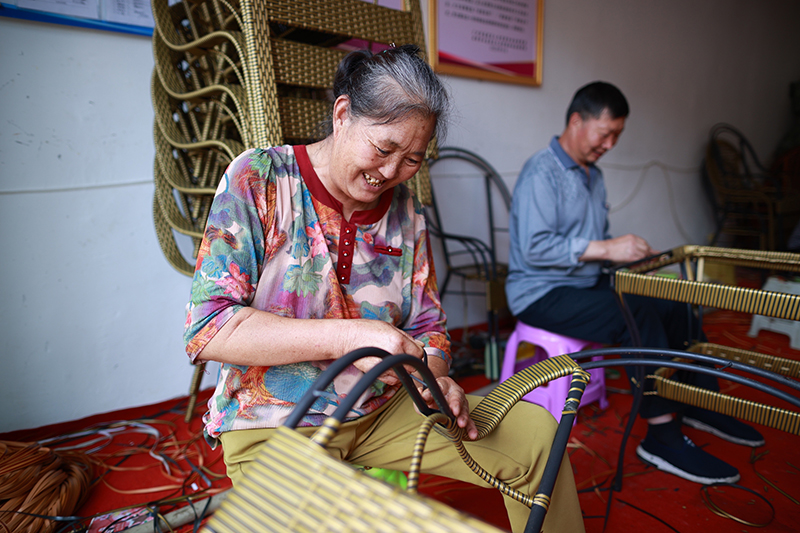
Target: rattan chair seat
{"x": 301, "y": 117}
{"x": 636, "y": 280}
{"x": 304, "y": 65}
{"x": 345, "y": 19}
{"x": 694, "y": 291}
{"x": 758, "y": 413}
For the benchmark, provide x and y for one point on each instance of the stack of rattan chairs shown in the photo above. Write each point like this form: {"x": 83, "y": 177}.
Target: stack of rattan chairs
{"x": 236, "y": 74}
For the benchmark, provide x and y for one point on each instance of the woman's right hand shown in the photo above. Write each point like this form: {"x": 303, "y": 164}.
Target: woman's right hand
{"x": 363, "y": 333}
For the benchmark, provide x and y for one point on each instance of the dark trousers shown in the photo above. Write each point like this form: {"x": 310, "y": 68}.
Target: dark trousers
{"x": 594, "y": 315}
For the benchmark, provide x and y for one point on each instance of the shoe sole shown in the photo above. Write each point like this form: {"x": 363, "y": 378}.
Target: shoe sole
{"x": 661, "y": 464}
{"x": 693, "y": 422}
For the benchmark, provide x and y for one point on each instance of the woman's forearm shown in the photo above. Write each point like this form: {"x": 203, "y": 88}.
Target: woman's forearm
{"x": 259, "y": 338}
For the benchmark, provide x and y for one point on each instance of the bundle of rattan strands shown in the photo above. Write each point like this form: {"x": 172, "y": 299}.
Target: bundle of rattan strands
{"x": 38, "y": 482}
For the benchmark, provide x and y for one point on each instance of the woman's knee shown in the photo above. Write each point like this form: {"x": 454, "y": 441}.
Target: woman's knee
{"x": 528, "y": 425}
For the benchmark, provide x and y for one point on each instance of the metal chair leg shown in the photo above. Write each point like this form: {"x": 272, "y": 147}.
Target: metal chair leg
{"x": 194, "y": 388}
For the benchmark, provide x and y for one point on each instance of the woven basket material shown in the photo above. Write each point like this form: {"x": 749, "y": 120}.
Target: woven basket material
{"x": 774, "y": 417}
{"x": 755, "y": 301}
{"x": 255, "y": 73}
{"x": 295, "y": 485}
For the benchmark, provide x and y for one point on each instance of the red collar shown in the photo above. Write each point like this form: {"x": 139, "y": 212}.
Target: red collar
{"x": 321, "y": 194}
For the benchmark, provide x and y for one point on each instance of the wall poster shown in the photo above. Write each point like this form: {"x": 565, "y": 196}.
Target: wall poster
{"x": 499, "y": 40}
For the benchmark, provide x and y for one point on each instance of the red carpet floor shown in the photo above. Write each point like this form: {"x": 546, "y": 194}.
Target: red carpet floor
{"x": 150, "y": 457}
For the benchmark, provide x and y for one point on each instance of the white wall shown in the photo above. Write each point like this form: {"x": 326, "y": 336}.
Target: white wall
{"x": 92, "y": 314}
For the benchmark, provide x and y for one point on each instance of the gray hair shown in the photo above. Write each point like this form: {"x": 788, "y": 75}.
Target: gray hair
{"x": 391, "y": 85}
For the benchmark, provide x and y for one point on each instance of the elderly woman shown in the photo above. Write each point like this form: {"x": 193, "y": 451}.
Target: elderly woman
{"x": 313, "y": 251}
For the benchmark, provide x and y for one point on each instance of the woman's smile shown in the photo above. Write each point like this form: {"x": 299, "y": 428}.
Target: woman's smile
{"x": 373, "y": 182}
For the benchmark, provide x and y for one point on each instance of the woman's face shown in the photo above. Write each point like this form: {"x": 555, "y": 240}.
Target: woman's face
{"x": 370, "y": 158}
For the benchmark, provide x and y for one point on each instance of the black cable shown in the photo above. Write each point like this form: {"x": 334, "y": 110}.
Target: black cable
{"x": 199, "y": 519}
{"x": 651, "y": 515}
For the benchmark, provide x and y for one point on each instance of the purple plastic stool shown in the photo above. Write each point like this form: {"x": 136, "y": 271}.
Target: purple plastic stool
{"x": 552, "y": 395}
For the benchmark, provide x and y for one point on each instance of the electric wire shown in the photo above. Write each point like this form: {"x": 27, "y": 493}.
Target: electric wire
{"x": 643, "y": 171}
{"x": 71, "y": 464}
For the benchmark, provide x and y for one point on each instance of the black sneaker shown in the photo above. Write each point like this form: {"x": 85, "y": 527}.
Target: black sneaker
{"x": 688, "y": 462}
{"x": 723, "y": 426}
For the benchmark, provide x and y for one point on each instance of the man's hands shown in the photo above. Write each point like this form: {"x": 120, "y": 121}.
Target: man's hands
{"x": 622, "y": 249}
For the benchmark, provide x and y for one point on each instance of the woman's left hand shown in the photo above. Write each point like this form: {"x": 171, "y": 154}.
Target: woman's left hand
{"x": 457, "y": 401}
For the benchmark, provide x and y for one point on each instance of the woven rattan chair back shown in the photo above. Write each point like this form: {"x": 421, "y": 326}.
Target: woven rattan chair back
{"x": 748, "y": 199}
{"x": 232, "y": 75}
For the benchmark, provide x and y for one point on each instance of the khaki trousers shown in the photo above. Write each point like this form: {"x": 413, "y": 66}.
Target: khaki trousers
{"x": 516, "y": 452}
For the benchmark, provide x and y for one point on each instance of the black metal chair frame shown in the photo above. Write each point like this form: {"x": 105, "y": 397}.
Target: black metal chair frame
{"x": 481, "y": 262}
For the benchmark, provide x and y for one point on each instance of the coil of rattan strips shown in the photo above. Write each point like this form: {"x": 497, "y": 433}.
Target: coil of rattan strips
{"x": 758, "y": 413}
{"x": 295, "y": 485}
{"x": 756, "y": 301}
{"x": 495, "y": 405}
{"x": 779, "y": 365}
{"x": 785, "y": 261}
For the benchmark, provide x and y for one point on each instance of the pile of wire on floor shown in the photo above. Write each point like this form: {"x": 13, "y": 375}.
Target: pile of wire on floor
{"x": 145, "y": 472}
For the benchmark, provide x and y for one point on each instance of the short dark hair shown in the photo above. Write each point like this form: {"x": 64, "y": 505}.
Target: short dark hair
{"x": 390, "y": 85}
{"x": 594, "y": 98}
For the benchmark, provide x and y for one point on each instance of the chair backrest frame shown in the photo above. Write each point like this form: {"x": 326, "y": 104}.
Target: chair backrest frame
{"x": 491, "y": 181}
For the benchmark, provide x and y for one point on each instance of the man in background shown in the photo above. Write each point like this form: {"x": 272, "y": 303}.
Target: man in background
{"x": 559, "y": 242}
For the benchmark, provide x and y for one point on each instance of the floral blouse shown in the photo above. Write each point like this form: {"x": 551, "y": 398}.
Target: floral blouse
{"x": 276, "y": 240}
